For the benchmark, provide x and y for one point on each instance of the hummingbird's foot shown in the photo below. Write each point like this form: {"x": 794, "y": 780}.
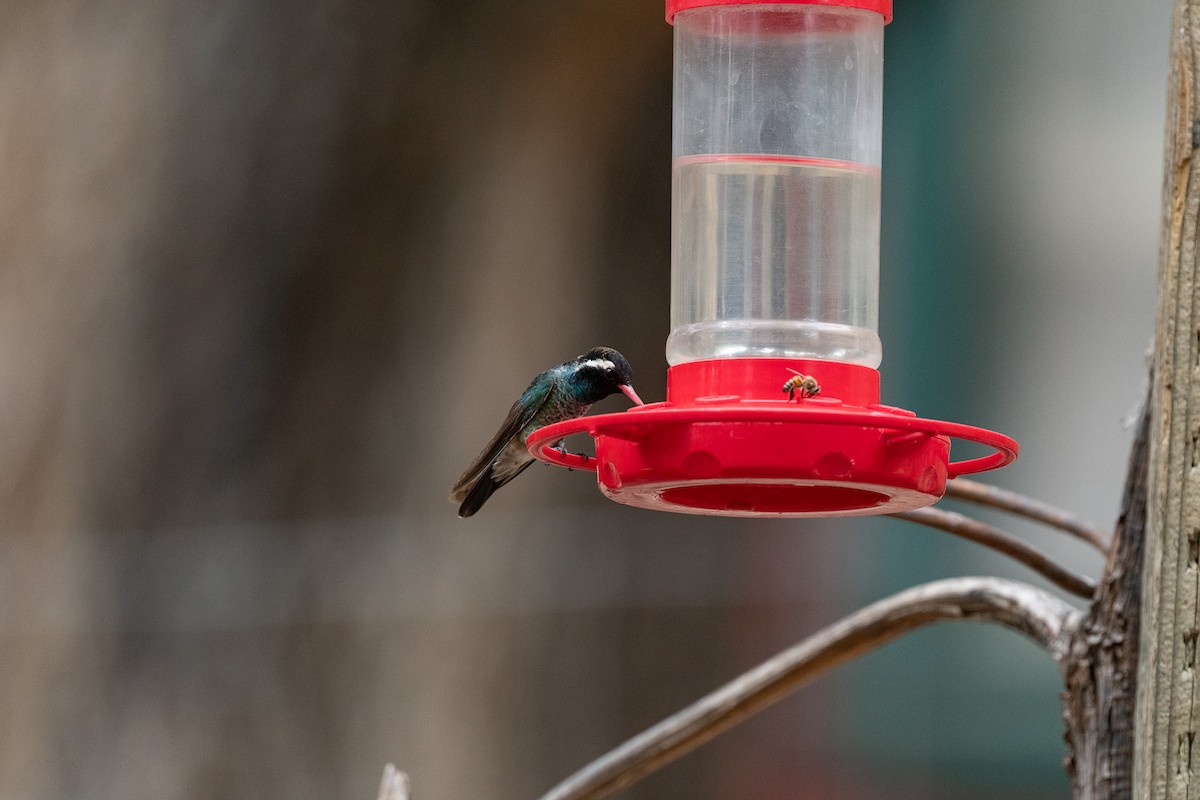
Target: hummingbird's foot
{"x": 560, "y": 447}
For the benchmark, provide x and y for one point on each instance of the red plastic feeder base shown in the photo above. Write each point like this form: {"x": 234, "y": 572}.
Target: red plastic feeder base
{"x": 728, "y": 441}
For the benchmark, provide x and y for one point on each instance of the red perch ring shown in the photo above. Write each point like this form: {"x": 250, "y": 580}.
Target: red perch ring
{"x": 728, "y": 441}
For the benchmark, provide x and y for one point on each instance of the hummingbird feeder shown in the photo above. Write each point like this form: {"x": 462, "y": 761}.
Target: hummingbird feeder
{"x": 773, "y": 402}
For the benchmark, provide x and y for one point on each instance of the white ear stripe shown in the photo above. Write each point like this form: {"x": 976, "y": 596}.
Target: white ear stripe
{"x": 600, "y": 363}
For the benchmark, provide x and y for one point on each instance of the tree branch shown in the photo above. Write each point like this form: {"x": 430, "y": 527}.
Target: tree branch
{"x": 1036, "y": 614}
{"x": 1002, "y": 542}
{"x": 1030, "y": 508}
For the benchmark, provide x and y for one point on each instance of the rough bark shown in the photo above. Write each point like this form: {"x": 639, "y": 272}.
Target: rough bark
{"x": 1098, "y": 702}
{"x": 1168, "y": 706}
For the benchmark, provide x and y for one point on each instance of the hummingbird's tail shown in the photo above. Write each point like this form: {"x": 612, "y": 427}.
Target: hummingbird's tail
{"x": 480, "y": 492}
{"x": 484, "y": 487}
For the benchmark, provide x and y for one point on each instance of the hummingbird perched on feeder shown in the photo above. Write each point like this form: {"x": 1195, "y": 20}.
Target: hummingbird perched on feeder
{"x": 560, "y": 393}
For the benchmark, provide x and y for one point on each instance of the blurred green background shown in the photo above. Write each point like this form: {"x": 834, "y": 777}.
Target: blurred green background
{"x": 271, "y": 274}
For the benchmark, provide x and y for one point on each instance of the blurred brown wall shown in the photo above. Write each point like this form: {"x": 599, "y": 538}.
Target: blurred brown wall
{"x": 270, "y": 275}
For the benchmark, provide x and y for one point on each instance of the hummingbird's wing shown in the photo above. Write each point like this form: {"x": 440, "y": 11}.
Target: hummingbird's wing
{"x": 524, "y": 410}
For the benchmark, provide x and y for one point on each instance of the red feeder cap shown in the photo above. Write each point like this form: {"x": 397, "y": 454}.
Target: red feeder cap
{"x": 883, "y": 7}
{"x": 729, "y": 441}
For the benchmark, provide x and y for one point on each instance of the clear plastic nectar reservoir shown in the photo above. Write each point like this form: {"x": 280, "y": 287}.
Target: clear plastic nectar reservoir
{"x": 776, "y": 181}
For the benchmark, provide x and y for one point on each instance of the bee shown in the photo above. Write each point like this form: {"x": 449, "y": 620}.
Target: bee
{"x": 805, "y": 384}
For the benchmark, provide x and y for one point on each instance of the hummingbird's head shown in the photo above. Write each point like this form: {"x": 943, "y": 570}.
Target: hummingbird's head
{"x": 602, "y": 371}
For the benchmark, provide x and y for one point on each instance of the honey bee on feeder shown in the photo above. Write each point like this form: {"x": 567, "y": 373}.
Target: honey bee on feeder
{"x": 799, "y": 382}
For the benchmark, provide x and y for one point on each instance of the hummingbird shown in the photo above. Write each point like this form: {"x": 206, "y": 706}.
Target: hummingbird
{"x": 560, "y": 393}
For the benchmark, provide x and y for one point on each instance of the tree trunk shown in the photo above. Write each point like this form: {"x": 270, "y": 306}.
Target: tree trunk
{"x": 1098, "y": 704}
{"x": 1167, "y": 704}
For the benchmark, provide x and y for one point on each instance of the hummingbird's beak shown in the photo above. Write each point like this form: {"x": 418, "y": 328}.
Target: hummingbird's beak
{"x": 631, "y": 394}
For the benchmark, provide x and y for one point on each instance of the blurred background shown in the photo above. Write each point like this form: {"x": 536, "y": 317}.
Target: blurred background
{"x": 270, "y": 275}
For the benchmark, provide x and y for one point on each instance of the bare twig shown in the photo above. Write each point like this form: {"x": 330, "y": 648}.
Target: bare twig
{"x": 394, "y": 785}
{"x": 1005, "y": 543}
{"x": 1037, "y": 614}
{"x": 1019, "y": 504}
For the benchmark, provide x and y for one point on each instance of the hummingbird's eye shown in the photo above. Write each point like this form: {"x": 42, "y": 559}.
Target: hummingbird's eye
{"x": 610, "y": 373}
